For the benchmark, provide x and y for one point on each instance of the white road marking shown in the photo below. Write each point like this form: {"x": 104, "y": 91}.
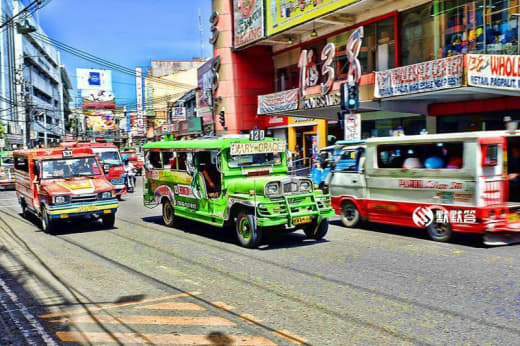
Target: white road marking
{"x": 28, "y": 316}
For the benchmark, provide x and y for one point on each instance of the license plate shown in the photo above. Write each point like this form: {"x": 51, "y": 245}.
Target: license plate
{"x": 513, "y": 217}
{"x": 301, "y": 220}
{"x": 86, "y": 208}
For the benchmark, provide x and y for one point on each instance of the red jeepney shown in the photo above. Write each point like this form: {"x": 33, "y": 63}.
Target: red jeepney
{"x": 60, "y": 184}
{"x": 110, "y": 159}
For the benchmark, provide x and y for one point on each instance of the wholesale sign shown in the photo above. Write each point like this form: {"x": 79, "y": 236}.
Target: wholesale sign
{"x": 427, "y": 76}
{"x": 278, "y": 102}
{"x": 248, "y": 21}
{"x": 284, "y": 14}
{"x": 494, "y": 71}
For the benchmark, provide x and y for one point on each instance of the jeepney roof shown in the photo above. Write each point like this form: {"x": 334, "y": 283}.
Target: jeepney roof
{"x": 349, "y": 142}
{"x": 441, "y": 137}
{"x": 205, "y": 143}
{"x": 53, "y": 153}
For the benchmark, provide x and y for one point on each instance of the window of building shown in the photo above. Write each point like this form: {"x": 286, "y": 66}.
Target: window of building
{"x": 417, "y": 35}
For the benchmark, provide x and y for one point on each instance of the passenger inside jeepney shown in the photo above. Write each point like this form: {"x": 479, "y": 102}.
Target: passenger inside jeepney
{"x": 210, "y": 173}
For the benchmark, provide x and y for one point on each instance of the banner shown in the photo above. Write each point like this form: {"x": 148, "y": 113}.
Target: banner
{"x": 249, "y": 21}
{"x": 427, "y": 76}
{"x": 352, "y": 127}
{"x": 94, "y": 79}
{"x": 284, "y": 14}
{"x": 494, "y": 71}
{"x": 204, "y": 93}
{"x": 99, "y": 99}
{"x": 278, "y": 102}
{"x": 100, "y": 120}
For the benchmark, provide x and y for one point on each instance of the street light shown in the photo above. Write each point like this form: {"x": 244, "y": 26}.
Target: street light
{"x": 26, "y": 28}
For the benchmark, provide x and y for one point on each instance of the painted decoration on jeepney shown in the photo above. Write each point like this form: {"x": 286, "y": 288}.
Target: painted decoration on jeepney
{"x": 249, "y": 148}
{"x": 184, "y": 190}
{"x": 163, "y": 191}
{"x": 285, "y": 14}
{"x": 427, "y": 76}
{"x": 249, "y": 21}
{"x": 494, "y": 71}
{"x": 278, "y": 102}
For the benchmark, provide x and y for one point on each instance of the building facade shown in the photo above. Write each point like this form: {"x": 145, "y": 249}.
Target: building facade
{"x": 31, "y": 87}
{"x": 440, "y": 66}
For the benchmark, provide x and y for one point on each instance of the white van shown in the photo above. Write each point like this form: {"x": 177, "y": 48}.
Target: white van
{"x": 445, "y": 183}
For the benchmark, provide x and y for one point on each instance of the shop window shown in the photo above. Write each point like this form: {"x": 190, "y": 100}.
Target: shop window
{"x": 421, "y": 156}
{"x": 417, "y": 39}
{"x": 377, "y": 52}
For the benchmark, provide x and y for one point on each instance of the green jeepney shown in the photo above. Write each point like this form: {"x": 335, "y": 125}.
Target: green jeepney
{"x": 235, "y": 182}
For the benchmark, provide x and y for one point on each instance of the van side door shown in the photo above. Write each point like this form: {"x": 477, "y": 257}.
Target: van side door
{"x": 348, "y": 177}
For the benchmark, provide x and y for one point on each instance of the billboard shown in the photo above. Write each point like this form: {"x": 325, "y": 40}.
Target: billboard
{"x": 94, "y": 79}
{"x": 100, "y": 99}
{"x": 204, "y": 93}
{"x": 100, "y": 120}
{"x": 494, "y": 71}
{"x": 248, "y": 21}
{"x": 284, "y": 14}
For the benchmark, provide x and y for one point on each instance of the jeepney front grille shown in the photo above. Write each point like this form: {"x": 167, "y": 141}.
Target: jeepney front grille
{"x": 84, "y": 198}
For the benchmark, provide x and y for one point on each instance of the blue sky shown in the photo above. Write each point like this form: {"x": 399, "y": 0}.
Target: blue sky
{"x": 127, "y": 32}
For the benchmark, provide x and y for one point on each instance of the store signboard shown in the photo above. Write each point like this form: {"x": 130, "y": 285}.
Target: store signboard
{"x": 278, "y": 102}
{"x": 248, "y": 21}
{"x": 94, "y": 79}
{"x": 100, "y": 120}
{"x": 494, "y": 71}
{"x": 423, "y": 77}
{"x": 179, "y": 113}
{"x": 277, "y": 121}
{"x": 284, "y": 14}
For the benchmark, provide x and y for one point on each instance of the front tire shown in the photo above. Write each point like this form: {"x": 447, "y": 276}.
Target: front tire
{"x": 248, "y": 234}
{"x": 109, "y": 220}
{"x": 317, "y": 231}
{"x": 168, "y": 214}
{"x": 48, "y": 225}
{"x": 350, "y": 216}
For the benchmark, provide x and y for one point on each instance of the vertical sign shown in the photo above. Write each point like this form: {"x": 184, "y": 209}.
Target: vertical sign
{"x": 139, "y": 92}
{"x": 352, "y": 127}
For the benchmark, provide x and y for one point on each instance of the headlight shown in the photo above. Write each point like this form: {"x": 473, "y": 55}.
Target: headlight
{"x": 306, "y": 185}
{"x": 60, "y": 199}
{"x": 106, "y": 195}
{"x": 272, "y": 188}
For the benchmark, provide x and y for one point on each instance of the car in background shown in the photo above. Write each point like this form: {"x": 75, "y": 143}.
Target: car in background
{"x": 6, "y": 170}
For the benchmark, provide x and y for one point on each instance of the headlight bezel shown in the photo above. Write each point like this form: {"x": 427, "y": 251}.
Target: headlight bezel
{"x": 275, "y": 184}
{"x": 106, "y": 195}
{"x": 307, "y": 182}
{"x": 60, "y": 199}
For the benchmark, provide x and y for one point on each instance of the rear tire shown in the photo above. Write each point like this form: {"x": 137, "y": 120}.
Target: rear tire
{"x": 25, "y": 211}
{"x": 248, "y": 233}
{"x": 350, "y": 216}
{"x": 317, "y": 231}
{"x": 168, "y": 214}
{"x": 440, "y": 232}
{"x": 48, "y": 225}
{"x": 109, "y": 220}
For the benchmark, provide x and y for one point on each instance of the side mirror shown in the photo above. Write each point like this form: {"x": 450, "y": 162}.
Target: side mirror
{"x": 106, "y": 169}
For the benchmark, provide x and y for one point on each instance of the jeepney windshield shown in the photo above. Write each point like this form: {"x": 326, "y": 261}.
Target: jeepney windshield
{"x": 264, "y": 159}
{"x": 67, "y": 168}
{"x": 110, "y": 157}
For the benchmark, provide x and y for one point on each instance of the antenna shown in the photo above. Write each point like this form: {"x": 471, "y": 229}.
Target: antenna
{"x": 201, "y": 31}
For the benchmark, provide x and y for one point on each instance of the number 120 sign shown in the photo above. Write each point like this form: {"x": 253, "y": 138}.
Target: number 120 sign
{"x": 307, "y": 66}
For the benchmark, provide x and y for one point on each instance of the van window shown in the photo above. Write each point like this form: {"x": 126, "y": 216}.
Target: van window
{"x": 21, "y": 163}
{"x": 437, "y": 155}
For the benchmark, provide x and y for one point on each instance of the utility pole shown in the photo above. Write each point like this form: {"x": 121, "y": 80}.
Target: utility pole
{"x": 28, "y": 110}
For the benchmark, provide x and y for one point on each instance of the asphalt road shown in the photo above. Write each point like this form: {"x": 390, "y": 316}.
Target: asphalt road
{"x": 142, "y": 282}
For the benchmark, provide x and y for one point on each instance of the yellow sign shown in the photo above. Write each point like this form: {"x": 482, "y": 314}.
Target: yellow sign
{"x": 284, "y": 14}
